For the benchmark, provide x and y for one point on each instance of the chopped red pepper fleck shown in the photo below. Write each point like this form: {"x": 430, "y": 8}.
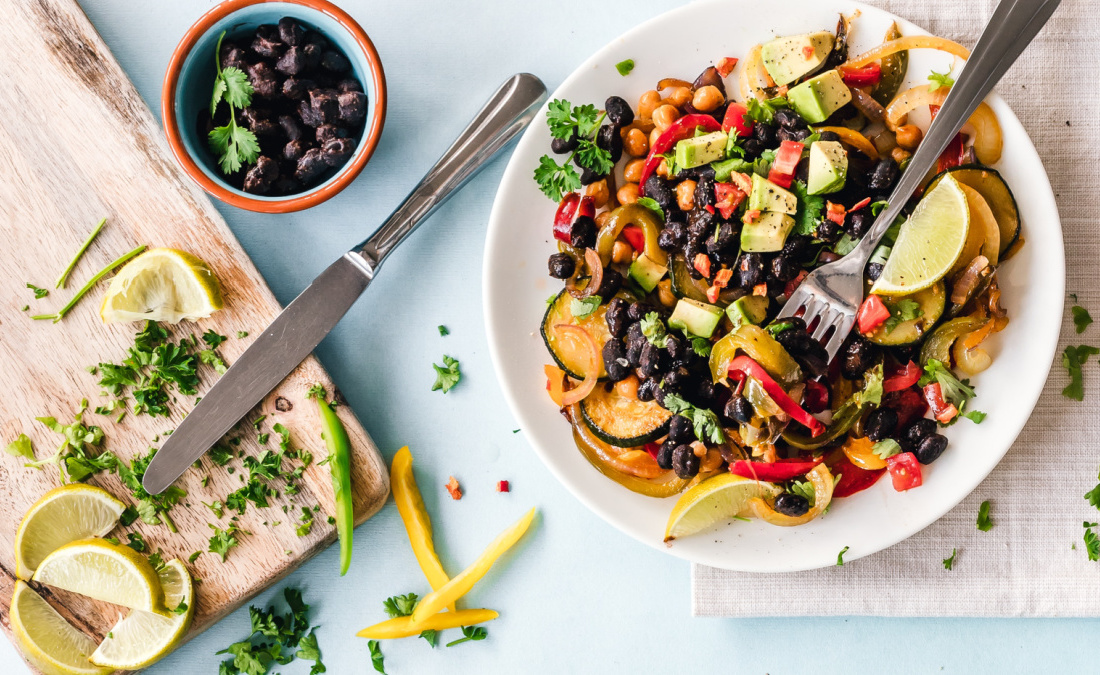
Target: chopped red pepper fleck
{"x": 725, "y": 65}
{"x": 454, "y": 489}
{"x": 760, "y": 289}
{"x": 722, "y": 279}
{"x": 712, "y": 294}
{"x": 860, "y": 204}
{"x": 502, "y": 486}
{"x": 750, "y": 216}
{"x": 835, "y": 212}
{"x": 702, "y": 264}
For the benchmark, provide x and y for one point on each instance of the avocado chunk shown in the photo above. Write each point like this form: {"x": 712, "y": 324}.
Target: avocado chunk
{"x": 788, "y": 58}
{"x": 748, "y": 309}
{"x": 828, "y": 167}
{"x": 820, "y": 96}
{"x": 697, "y": 318}
{"x": 767, "y": 234}
{"x": 693, "y": 152}
{"x": 646, "y": 272}
{"x": 767, "y": 196}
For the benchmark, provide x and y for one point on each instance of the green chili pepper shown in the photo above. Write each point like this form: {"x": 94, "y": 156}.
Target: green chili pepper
{"x": 339, "y": 452}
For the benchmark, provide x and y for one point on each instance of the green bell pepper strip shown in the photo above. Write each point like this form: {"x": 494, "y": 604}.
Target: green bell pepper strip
{"x": 339, "y": 452}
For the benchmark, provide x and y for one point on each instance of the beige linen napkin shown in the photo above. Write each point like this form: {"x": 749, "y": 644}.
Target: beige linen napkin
{"x": 1026, "y": 565}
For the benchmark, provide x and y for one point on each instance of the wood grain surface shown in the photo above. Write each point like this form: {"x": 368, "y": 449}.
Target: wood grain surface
{"x": 77, "y": 144}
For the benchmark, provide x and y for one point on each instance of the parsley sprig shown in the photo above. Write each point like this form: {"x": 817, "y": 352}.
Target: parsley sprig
{"x": 276, "y": 638}
{"x": 1072, "y": 359}
{"x": 447, "y": 375}
{"x": 984, "y": 522}
{"x": 232, "y": 144}
{"x": 568, "y": 121}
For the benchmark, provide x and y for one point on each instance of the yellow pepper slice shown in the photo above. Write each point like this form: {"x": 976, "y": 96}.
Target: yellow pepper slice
{"x": 761, "y": 347}
{"x": 632, "y": 214}
{"x": 853, "y": 138}
{"x": 823, "y": 484}
{"x": 415, "y": 517}
{"x": 860, "y": 451}
{"x": 405, "y": 626}
{"x": 461, "y": 584}
{"x": 906, "y": 43}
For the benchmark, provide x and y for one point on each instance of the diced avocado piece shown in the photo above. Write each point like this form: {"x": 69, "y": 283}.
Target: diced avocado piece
{"x": 767, "y": 196}
{"x": 820, "y": 96}
{"x": 788, "y": 58}
{"x": 646, "y": 272}
{"x": 697, "y": 318}
{"x": 748, "y": 309}
{"x": 828, "y": 167}
{"x": 693, "y": 152}
{"x": 767, "y": 234}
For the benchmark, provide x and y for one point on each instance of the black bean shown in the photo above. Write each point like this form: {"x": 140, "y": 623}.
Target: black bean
{"x": 260, "y": 177}
{"x": 634, "y": 333}
{"x": 659, "y": 190}
{"x": 295, "y": 88}
{"x": 739, "y": 409}
{"x": 670, "y": 238}
{"x": 309, "y": 117}
{"x": 638, "y": 310}
{"x": 264, "y": 81}
{"x": 796, "y": 135}
{"x": 664, "y": 455}
{"x": 675, "y": 380}
{"x": 608, "y": 138}
{"x": 311, "y": 165}
{"x": 789, "y": 119}
{"x": 353, "y": 106}
{"x": 234, "y": 57}
{"x": 267, "y": 45}
{"x": 647, "y": 390}
{"x": 828, "y": 232}
{"x": 724, "y": 238}
{"x": 562, "y": 146}
{"x": 582, "y": 233}
{"x": 650, "y": 360}
{"x": 807, "y": 351}
{"x": 752, "y": 148}
{"x": 677, "y": 349}
{"x": 763, "y": 133}
{"x": 634, "y": 354}
{"x": 751, "y": 267}
{"x": 312, "y": 53}
{"x": 325, "y": 104}
{"x": 616, "y": 317}
{"x": 874, "y": 271}
{"x": 335, "y": 61}
{"x": 930, "y": 448}
{"x": 290, "y": 127}
{"x": 792, "y": 505}
{"x": 700, "y": 224}
{"x": 615, "y": 361}
{"x": 292, "y": 62}
{"x": 880, "y": 424}
{"x": 859, "y": 222}
{"x": 917, "y": 432}
{"x": 618, "y": 111}
{"x": 349, "y": 84}
{"x": 327, "y": 132}
{"x": 337, "y": 151}
{"x": 681, "y": 430}
{"x": 561, "y": 266}
{"x": 784, "y": 268}
{"x": 264, "y": 127}
{"x": 612, "y": 284}
{"x": 285, "y": 185}
{"x": 829, "y": 136}
{"x": 859, "y": 355}
{"x": 704, "y": 193}
{"x": 797, "y": 246}
{"x": 684, "y": 462}
{"x": 294, "y": 150}
{"x": 883, "y": 175}
{"x": 291, "y": 32}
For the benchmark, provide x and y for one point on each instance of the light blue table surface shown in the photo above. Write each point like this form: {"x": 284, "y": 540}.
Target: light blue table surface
{"x": 578, "y": 596}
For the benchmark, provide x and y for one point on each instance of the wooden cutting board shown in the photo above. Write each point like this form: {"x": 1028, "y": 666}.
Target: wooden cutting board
{"x": 77, "y": 143}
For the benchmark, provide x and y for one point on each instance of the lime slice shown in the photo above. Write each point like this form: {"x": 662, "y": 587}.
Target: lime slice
{"x": 929, "y": 243}
{"x": 712, "y": 501}
{"x": 49, "y": 642}
{"x": 143, "y": 638}
{"x": 61, "y": 516}
{"x": 104, "y": 571}
{"x": 163, "y": 285}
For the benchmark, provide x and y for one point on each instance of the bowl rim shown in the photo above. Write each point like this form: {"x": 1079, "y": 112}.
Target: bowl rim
{"x": 290, "y": 203}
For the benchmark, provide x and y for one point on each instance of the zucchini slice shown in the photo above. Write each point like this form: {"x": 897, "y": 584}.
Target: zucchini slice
{"x": 993, "y": 188}
{"x": 562, "y": 345}
{"x": 931, "y": 301}
{"x": 621, "y": 421}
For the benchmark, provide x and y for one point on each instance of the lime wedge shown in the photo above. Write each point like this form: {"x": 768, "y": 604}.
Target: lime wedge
{"x": 163, "y": 285}
{"x": 712, "y": 501}
{"x": 61, "y": 516}
{"x": 143, "y": 638}
{"x": 104, "y": 571}
{"x": 929, "y": 243}
{"x": 49, "y": 642}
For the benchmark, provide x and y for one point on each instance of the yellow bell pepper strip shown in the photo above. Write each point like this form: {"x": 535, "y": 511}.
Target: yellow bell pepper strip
{"x": 644, "y": 219}
{"x": 592, "y": 449}
{"x": 405, "y": 626}
{"x": 461, "y": 584}
{"x": 761, "y": 347}
{"x": 905, "y": 44}
{"x": 852, "y": 138}
{"x": 822, "y": 481}
{"x": 418, "y": 525}
{"x": 339, "y": 464}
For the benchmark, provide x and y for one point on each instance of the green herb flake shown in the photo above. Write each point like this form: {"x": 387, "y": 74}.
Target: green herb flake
{"x": 443, "y": 332}
{"x": 568, "y": 121}
{"x": 1093, "y": 495}
{"x": 940, "y": 81}
{"x": 707, "y": 426}
{"x": 1072, "y": 360}
{"x": 470, "y": 633}
{"x": 949, "y": 562}
{"x": 21, "y": 447}
{"x": 583, "y": 308}
{"x": 447, "y": 375}
{"x": 886, "y": 448}
{"x": 840, "y": 557}
{"x": 1092, "y": 542}
{"x": 624, "y": 67}
{"x": 984, "y": 523}
{"x": 1081, "y": 318}
{"x": 376, "y": 657}
{"x": 652, "y": 205}
{"x": 39, "y": 293}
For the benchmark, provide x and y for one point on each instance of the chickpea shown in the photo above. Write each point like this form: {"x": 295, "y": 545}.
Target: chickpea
{"x": 699, "y": 449}
{"x": 602, "y": 218}
{"x": 635, "y": 143}
{"x": 662, "y": 169}
{"x": 628, "y": 194}
{"x": 654, "y": 135}
{"x": 664, "y": 116}
{"x": 647, "y": 103}
{"x": 899, "y": 155}
{"x": 909, "y": 136}
{"x": 622, "y": 252}
{"x": 707, "y": 98}
{"x": 678, "y": 96}
{"x": 664, "y": 293}
{"x": 685, "y": 195}
{"x": 628, "y": 387}
{"x": 632, "y": 172}
{"x": 598, "y": 192}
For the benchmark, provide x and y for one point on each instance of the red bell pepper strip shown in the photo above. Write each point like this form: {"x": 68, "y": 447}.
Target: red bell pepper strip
{"x": 793, "y": 283}
{"x": 867, "y": 76}
{"x": 786, "y": 161}
{"x": 943, "y": 411}
{"x": 902, "y": 379}
{"x": 904, "y": 471}
{"x": 816, "y": 398}
{"x": 676, "y": 132}
{"x": 635, "y": 237}
{"x": 743, "y": 366}
{"x": 853, "y": 479}
{"x": 571, "y": 207}
{"x": 872, "y": 314}
{"x": 737, "y": 120}
{"x": 725, "y": 65}
{"x": 652, "y": 449}
{"x": 729, "y": 197}
{"x": 780, "y": 470}
{"x": 954, "y": 154}
{"x": 860, "y": 204}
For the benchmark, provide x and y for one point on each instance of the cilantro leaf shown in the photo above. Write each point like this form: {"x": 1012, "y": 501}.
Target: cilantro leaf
{"x": 764, "y": 111}
{"x": 1081, "y": 318}
{"x": 984, "y": 523}
{"x": 1092, "y": 542}
{"x": 238, "y": 88}
{"x": 584, "y": 307}
{"x": 840, "y": 556}
{"x": 940, "y": 80}
{"x": 885, "y": 448}
{"x": 400, "y": 605}
{"x": 949, "y": 562}
{"x": 652, "y": 205}
{"x": 219, "y": 92}
{"x": 1093, "y": 495}
{"x": 624, "y": 67}
{"x": 1072, "y": 360}
{"x": 872, "y": 391}
{"x": 900, "y": 311}
{"x": 234, "y": 146}
{"x": 975, "y": 416}
{"x": 376, "y": 657}
{"x": 809, "y": 210}
{"x": 804, "y": 489}
{"x": 447, "y": 375}
{"x": 955, "y": 391}
{"x": 654, "y": 330}
{"x": 555, "y": 180}
{"x": 705, "y": 422}
{"x": 470, "y": 633}
{"x": 21, "y": 447}
{"x": 223, "y": 540}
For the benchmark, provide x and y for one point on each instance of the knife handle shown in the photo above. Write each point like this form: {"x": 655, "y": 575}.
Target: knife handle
{"x": 507, "y": 113}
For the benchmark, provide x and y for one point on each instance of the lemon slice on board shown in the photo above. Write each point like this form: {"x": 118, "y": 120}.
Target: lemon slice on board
{"x": 163, "y": 285}
{"x": 143, "y": 638}
{"x": 61, "y": 516}
{"x": 712, "y": 501}
{"x": 104, "y": 571}
{"x": 49, "y": 642}
{"x": 929, "y": 242}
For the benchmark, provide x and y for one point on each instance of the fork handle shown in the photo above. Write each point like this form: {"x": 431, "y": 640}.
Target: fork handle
{"x": 1011, "y": 28}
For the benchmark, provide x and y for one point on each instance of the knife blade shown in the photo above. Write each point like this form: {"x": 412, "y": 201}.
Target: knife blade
{"x": 312, "y": 315}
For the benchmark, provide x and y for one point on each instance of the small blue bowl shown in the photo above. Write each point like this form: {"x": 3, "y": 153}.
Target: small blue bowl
{"x": 188, "y": 85}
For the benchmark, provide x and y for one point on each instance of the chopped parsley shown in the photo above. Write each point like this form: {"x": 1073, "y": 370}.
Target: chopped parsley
{"x": 39, "y": 293}
{"x": 949, "y": 562}
{"x": 707, "y": 426}
{"x": 1081, "y": 318}
{"x": 955, "y": 391}
{"x": 984, "y": 523}
{"x": 136, "y": 542}
{"x": 275, "y": 638}
{"x": 443, "y": 332}
{"x": 223, "y": 540}
{"x": 447, "y": 375}
{"x": 940, "y": 80}
{"x": 470, "y": 633}
{"x": 809, "y": 210}
{"x": 400, "y": 605}
{"x": 581, "y": 123}
{"x": 241, "y": 334}
{"x": 376, "y": 658}
{"x": 840, "y": 556}
{"x": 582, "y": 308}
{"x": 624, "y": 67}
{"x": 1072, "y": 360}
{"x": 216, "y": 507}
{"x": 1092, "y": 542}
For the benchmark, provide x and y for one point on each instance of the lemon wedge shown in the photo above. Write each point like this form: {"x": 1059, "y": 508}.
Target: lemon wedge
{"x": 143, "y": 638}
{"x": 163, "y": 285}
{"x": 712, "y": 501}
{"x": 929, "y": 242}
{"x": 49, "y": 642}
{"x": 104, "y": 571}
{"x": 61, "y": 516}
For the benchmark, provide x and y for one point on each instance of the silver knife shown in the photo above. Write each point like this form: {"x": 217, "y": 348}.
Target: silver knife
{"x": 309, "y": 318}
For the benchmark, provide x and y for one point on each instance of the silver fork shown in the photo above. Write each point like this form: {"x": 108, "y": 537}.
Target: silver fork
{"x": 833, "y": 293}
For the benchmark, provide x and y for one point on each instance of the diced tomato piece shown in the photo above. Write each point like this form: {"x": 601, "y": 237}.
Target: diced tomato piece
{"x": 503, "y": 486}
{"x": 902, "y": 379}
{"x": 780, "y": 470}
{"x": 907, "y": 403}
{"x": 872, "y": 314}
{"x": 729, "y": 197}
{"x": 943, "y": 411}
{"x": 709, "y": 209}
{"x": 725, "y": 65}
{"x": 760, "y": 290}
{"x": 835, "y": 213}
{"x": 867, "y": 76}
{"x": 454, "y": 489}
{"x": 808, "y": 52}
{"x": 816, "y": 398}
{"x": 853, "y": 479}
{"x": 702, "y": 264}
{"x": 742, "y": 181}
{"x": 904, "y": 471}
{"x": 677, "y": 131}
{"x": 954, "y": 154}
{"x": 635, "y": 237}
{"x": 750, "y": 216}
{"x": 793, "y": 283}
{"x": 737, "y": 120}
{"x": 783, "y": 180}
{"x": 786, "y": 161}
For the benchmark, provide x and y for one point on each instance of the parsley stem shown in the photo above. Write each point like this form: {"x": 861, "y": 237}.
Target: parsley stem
{"x": 79, "y": 254}
{"x": 599, "y": 121}
{"x": 92, "y": 282}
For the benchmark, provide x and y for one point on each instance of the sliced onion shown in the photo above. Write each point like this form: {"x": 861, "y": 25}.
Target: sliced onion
{"x": 967, "y": 281}
{"x": 867, "y": 105}
{"x": 988, "y": 140}
{"x": 973, "y": 360}
{"x": 853, "y": 138}
{"x": 591, "y": 372}
{"x": 822, "y": 481}
{"x": 595, "y": 280}
{"x": 906, "y": 43}
{"x": 752, "y": 85}
{"x": 898, "y": 111}
{"x": 673, "y": 82}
